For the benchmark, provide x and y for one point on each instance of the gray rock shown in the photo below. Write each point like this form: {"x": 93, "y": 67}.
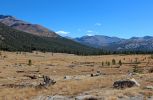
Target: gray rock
{"x": 84, "y": 97}
{"x": 138, "y": 97}
{"x": 68, "y": 77}
{"x": 149, "y": 87}
{"x": 56, "y": 97}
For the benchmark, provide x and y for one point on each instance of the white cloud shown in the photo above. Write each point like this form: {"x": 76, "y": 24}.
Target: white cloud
{"x": 98, "y": 24}
{"x": 62, "y": 32}
{"x": 89, "y": 34}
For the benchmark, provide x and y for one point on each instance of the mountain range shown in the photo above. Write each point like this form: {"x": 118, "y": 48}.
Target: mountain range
{"x": 97, "y": 41}
{"x": 117, "y": 44}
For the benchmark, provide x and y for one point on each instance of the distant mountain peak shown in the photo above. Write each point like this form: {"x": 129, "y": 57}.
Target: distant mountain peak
{"x": 114, "y": 43}
{"x": 5, "y": 16}
{"x": 97, "y": 40}
{"x": 135, "y": 38}
{"x": 26, "y": 27}
{"x": 145, "y": 37}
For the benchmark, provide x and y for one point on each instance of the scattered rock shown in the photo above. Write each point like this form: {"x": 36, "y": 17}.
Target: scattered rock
{"x": 86, "y": 97}
{"x": 149, "y": 87}
{"x": 56, "y": 97}
{"x": 46, "y": 82}
{"x": 128, "y": 83}
{"x": 68, "y": 77}
{"x": 123, "y": 84}
{"x": 96, "y": 74}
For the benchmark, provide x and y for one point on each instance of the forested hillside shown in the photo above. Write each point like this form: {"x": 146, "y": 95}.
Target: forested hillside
{"x": 14, "y": 40}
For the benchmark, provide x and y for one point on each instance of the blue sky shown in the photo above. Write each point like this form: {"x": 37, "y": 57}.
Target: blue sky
{"x": 75, "y": 18}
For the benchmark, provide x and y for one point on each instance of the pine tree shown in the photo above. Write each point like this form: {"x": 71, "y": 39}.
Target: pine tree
{"x": 108, "y": 63}
{"x": 120, "y": 62}
{"x": 102, "y": 63}
{"x": 29, "y": 62}
{"x": 113, "y": 61}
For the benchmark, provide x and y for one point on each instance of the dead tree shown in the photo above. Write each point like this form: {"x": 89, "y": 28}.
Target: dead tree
{"x": 47, "y": 82}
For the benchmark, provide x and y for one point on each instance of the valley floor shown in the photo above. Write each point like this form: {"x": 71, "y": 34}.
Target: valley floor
{"x": 72, "y": 74}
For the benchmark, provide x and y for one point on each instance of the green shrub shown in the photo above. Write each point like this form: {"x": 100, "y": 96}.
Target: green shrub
{"x": 29, "y": 62}
{"x": 151, "y": 56}
{"x": 113, "y": 61}
{"x": 120, "y": 62}
{"x": 108, "y": 63}
{"x": 136, "y": 69}
{"x": 102, "y": 63}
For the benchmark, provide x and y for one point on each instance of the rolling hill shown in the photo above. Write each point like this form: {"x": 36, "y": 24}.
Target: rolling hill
{"x": 15, "y": 40}
{"x": 26, "y": 26}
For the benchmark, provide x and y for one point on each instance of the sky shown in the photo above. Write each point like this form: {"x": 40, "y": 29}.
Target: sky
{"x": 76, "y": 18}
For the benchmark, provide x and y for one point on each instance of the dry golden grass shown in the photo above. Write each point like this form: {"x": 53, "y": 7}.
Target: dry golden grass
{"x": 77, "y": 67}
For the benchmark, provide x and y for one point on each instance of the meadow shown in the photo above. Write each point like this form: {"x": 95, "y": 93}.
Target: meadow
{"x": 74, "y": 75}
